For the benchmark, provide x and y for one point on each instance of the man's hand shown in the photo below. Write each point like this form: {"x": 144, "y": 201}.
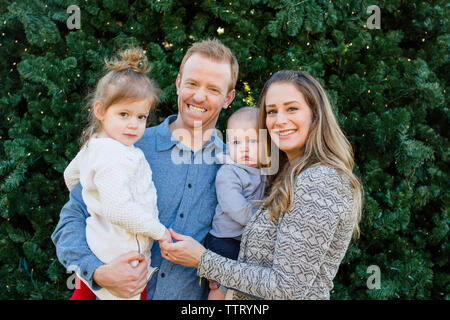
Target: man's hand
{"x": 120, "y": 278}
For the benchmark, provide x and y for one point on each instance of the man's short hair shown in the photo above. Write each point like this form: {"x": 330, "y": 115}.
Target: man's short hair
{"x": 214, "y": 50}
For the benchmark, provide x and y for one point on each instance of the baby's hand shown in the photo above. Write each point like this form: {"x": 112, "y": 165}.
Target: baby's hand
{"x": 166, "y": 237}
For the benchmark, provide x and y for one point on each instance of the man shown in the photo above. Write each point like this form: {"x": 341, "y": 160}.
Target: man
{"x": 186, "y": 192}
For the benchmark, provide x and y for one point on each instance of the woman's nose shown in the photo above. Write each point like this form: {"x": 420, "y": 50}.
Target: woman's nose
{"x": 281, "y": 118}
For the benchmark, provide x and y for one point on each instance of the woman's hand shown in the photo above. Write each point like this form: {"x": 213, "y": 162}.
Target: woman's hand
{"x": 186, "y": 251}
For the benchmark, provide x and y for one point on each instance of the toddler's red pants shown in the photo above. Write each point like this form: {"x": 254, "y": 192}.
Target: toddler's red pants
{"x": 84, "y": 293}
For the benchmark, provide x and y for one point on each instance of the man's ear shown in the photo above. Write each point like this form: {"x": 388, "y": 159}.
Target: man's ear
{"x": 98, "y": 110}
{"x": 178, "y": 82}
{"x": 229, "y": 99}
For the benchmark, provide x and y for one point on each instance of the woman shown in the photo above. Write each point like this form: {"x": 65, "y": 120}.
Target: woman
{"x": 293, "y": 245}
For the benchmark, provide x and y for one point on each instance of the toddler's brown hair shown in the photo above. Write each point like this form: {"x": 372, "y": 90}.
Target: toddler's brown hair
{"x": 126, "y": 80}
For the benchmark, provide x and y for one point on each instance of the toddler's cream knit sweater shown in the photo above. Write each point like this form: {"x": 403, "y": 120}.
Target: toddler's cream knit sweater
{"x": 120, "y": 197}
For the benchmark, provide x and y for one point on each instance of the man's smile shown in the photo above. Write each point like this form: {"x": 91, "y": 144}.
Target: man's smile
{"x": 196, "y": 109}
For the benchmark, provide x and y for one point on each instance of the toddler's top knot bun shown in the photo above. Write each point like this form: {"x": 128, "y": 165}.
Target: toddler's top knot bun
{"x": 132, "y": 58}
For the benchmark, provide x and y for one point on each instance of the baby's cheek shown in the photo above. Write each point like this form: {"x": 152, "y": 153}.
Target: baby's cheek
{"x": 233, "y": 153}
{"x": 254, "y": 150}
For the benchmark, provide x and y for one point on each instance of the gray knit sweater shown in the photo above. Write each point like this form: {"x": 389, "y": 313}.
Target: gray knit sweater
{"x": 298, "y": 255}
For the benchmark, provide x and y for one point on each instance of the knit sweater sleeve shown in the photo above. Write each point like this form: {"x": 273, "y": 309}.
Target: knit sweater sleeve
{"x": 304, "y": 235}
{"x": 72, "y": 173}
{"x": 112, "y": 179}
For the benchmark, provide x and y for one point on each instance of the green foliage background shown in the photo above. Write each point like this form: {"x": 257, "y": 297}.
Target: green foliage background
{"x": 389, "y": 88}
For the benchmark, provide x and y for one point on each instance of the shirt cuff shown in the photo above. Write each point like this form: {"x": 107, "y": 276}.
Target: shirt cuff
{"x": 87, "y": 269}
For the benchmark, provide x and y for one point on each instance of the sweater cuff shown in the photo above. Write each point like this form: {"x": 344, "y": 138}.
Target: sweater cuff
{"x": 205, "y": 263}
{"x": 160, "y": 233}
{"x": 208, "y": 267}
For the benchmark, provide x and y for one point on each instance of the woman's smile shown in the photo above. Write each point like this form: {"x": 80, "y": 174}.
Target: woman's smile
{"x": 285, "y": 133}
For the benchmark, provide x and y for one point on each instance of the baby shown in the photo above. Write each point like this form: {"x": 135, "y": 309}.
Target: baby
{"x": 238, "y": 184}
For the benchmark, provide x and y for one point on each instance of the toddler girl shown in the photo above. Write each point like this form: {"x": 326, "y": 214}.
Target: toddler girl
{"x": 115, "y": 176}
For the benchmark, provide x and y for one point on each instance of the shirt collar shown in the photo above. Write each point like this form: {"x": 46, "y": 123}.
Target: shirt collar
{"x": 166, "y": 141}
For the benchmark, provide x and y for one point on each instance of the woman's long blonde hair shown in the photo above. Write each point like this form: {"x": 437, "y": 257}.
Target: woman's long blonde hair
{"x": 326, "y": 145}
{"x": 125, "y": 80}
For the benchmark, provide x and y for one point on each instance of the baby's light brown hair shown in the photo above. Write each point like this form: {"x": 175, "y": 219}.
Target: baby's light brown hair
{"x": 245, "y": 114}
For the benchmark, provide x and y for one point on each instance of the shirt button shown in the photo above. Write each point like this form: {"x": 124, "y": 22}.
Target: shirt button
{"x": 181, "y": 215}
{"x": 163, "y": 275}
{"x": 189, "y": 185}
{"x": 85, "y": 273}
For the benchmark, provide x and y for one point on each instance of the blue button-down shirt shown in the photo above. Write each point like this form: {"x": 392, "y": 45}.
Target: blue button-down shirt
{"x": 186, "y": 195}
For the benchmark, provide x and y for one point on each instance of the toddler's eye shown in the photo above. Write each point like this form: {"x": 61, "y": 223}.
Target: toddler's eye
{"x": 143, "y": 117}
{"x": 236, "y": 142}
{"x": 271, "y": 112}
{"x": 253, "y": 141}
{"x": 123, "y": 114}
{"x": 292, "y": 109}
